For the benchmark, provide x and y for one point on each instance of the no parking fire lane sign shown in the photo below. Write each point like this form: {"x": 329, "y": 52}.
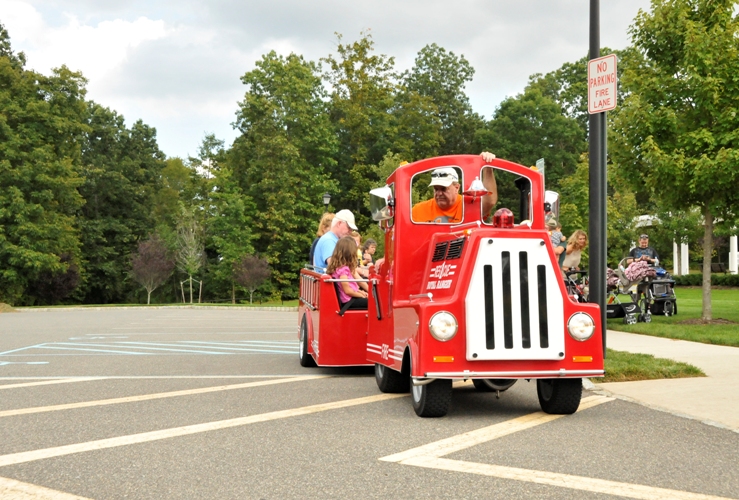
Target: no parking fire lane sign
{"x": 602, "y": 84}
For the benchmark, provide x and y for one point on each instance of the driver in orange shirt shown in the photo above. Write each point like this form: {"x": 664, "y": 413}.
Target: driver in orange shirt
{"x": 446, "y": 205}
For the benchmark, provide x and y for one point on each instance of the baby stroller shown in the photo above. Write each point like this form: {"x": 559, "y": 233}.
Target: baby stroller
{"x": 623, "y": 296}
{"x": 659, "y": 293}
{"x": 576, "y": 283}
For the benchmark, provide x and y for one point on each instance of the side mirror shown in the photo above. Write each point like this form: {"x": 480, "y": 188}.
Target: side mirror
{"x": 382, "y": 203}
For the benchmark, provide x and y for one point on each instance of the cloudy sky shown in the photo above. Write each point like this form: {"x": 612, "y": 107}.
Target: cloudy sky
{"x": 176, "y": 63}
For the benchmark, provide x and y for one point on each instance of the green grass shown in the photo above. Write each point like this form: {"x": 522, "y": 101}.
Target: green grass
{"x": 725, "y": 305}
{"x": 625, "y": 367}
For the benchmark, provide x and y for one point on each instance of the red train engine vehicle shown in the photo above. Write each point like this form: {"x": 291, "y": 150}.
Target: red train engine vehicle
{"x": 480, "y": 299}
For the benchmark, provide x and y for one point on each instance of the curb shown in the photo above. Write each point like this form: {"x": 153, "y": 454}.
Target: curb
{"x": 118, "y": 308}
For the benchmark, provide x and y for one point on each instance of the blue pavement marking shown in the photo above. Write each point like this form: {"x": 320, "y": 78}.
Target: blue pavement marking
{"x": 174, "y": 347}
{"x": 19, "y": 349}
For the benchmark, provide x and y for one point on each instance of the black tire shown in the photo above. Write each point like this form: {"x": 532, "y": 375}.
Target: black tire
{"x": 493, "y": 384}
{"x": 668, "y": 308}
{"x": 432, "y": 400}
{"x": 391, "y": 381}
{"x": 306, "y": 359}
{"x": 559, "y": 396}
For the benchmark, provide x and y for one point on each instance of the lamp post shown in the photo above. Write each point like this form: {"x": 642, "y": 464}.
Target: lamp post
{"x": 326, "y": 201}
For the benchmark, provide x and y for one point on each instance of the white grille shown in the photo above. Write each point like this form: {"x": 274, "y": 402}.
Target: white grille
{"x": 503, "y": 323}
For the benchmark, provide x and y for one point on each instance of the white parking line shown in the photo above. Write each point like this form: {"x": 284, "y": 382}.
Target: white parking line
{"x": 49, "y": 382}
{"x": 145, "y": 437}
{"x": 148, "y": 397}
{"x": 16, "y": 490}
{"x": 429, "y": 456}
{"x": 581, "y": 483}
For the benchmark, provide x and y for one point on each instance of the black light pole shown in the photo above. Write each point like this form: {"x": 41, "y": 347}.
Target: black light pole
{"x": 598, "y": 187}
{"x": 326, "y": 201}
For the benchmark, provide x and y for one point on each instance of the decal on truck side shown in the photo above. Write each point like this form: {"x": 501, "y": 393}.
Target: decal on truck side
{"x": 437, "y": 273}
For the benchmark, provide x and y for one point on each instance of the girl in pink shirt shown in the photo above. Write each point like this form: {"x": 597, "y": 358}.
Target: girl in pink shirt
{"x": 343, "y": 265}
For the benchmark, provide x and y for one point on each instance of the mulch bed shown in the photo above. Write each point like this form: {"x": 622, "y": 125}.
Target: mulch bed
{"x": 698, "y": 321}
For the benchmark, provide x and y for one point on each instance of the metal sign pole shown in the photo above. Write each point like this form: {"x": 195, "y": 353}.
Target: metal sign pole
{"x": 598, "y": 186}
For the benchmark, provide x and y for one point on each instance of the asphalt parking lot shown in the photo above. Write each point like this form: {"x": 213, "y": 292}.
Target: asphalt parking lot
{"x": 212, "y": 403}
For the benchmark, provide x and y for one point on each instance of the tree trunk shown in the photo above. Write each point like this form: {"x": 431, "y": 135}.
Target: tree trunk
{"x": 706, "y": 314}
{"x": 233, "y": 293}
{"x": 190, "y": 289}
{"x": 148, "y": 297}
{"x": 251, "y": 297}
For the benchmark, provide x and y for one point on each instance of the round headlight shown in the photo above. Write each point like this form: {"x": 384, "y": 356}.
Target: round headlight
{"x": 581, "y": 326}
{"x": 443, "y": 326}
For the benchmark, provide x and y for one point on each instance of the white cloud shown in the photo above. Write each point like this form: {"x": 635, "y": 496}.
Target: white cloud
{"x": 94, "y": 50}
{"x": 177, "y": 64}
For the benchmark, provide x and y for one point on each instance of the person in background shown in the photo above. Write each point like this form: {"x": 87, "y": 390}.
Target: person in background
{"x": 555, "y": 232}
{"x": 575, "y": 245}
{"x": 341, "y": 226}
{"x": 343, "y": 265}
{"x": 368, "y": 251}
{"x": 323, "y": 227}
{"x": 358, "y": 240}
{"x": 643, "y": 252}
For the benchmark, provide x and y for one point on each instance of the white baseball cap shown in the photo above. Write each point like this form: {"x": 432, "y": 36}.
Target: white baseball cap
{"x": 444, "y": 177}
{"x": 346, "y": 216}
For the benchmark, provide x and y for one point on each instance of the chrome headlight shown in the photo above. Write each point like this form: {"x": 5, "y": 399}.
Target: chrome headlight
{"x": 443, "y": 326}
{"x": 581, "y": 326}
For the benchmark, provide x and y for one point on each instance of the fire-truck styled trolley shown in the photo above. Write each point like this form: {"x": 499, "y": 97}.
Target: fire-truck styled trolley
{"x": 482, "y": 299}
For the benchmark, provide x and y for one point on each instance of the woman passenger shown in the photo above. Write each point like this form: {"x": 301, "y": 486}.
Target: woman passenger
{"x": 323, "y": 227}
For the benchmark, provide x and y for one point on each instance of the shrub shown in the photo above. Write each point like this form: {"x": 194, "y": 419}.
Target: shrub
{"x": 716, "y": 280}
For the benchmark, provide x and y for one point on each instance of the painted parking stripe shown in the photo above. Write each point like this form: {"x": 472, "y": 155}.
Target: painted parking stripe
{"x": 49, "y": 382}
{"x": 145, "y": 437}
{"x": 149, "y": 397}
{"x": 108, "y": 351}
{"x": 208, "y": 346}
{"x": 173, "y": 377}
{"x": 186, "y": 347}
{"x": 16, "y": 490}
{"x": 123, "y": 345}
{"x": 430, "y": 456}
{"x": 479, "y": 436}
{"x": 588, "y": 484}
{"x": 19, "y": 349}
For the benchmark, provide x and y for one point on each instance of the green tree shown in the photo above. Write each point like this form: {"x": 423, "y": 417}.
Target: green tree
{"x": 190, "y": 253}
{"x": 42, "y": 123}
{"x": 620, "y": 206}
{"x": 283, "y": 159}
{"x": 677, "y": 129}
{"x": 441, "y": 76}
{"x": 361, "y": 105}
{"x": 530, "y": 126}
{"x": 228, "y": 216}
{"x": 122, "y": 172}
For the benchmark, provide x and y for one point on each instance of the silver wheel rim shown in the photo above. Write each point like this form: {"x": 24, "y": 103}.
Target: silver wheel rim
{"x": 417, "y": 392}
{"x": 301, "y": 344}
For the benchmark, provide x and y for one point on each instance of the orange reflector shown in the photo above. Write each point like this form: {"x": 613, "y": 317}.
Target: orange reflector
{"x": 582, "y": 359}
{"x": 443, "y": 359}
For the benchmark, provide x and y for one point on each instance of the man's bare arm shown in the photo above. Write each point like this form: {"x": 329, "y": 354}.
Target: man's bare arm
{"x": 488, "y": 180}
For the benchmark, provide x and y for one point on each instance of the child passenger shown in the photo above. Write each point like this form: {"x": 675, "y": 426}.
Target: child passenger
{"x": 555, "y": 232}
{"x": 343, "y": 265}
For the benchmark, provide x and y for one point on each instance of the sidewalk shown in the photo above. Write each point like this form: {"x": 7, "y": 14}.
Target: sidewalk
{"x": 712, "y": 399}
